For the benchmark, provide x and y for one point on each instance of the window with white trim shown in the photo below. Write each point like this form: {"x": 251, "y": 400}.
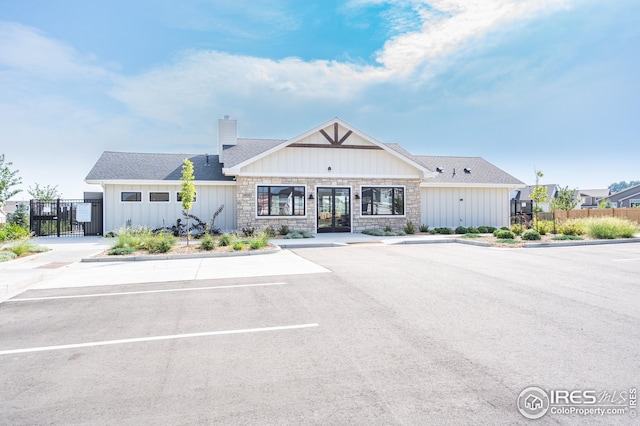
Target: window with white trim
{"x": 382, "y": 201}
{"x": 281, "y": 200}
{"x": 158, "y": 197}
{"x": 130, "y": 196}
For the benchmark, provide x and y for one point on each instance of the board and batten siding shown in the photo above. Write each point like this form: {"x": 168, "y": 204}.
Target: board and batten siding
{"x": 151, "y": 214}
{"x": 442, "y": 207}
{"x": 344, "y": 162}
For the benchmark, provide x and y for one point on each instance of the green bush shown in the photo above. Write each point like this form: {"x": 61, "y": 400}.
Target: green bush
{"x": 6, "y": 256}
{"x": 517, "y": 229}
{"x": 573, "y": 227}
{"x": 567, "y": 237}
{"x": 544, "y": 227}
{"x": 10, "y": 232}
{"x": 119, "y": 251}
{"x": 409, "y": 228}
{"x": 610, "y": 227}
{"x": 134, "y": 238}
{"x": 238, "y": 246}
{"x": 293, "y": 235}
{"x": 20, "y": 216}
{"x": 283, "y": 230}
{"x": 504, "y": 234}
{"x": 270, "y": 232}
{"x": 461, "y": 230}
{"x": 472, "y": 230}
{"x": 483, "y": 229}
{"x": 159, "y": 243}
{"x": 208, "y": 242}
{"x": 471, "y": 235}
{"x": 23, "y": 247}
{"x": 259, "y": 241}
{"x": 444, "y": 231}
{"x": 424, "y": 228}
{"x": 248, "y": 232}
{"x": 226, "y": 240}
{"x": 531, "y": 234}
{"x": 491, "y": 229}
{"x": 388, "y": 229}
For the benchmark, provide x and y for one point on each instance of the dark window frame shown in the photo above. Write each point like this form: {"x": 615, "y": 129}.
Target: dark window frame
{"x": 156, "y": 193}
{"x": 137, "y": 195}
{"x": 179, "y": 197}
{"x": 266, "y": 191}
{"x": 367, "y": 198}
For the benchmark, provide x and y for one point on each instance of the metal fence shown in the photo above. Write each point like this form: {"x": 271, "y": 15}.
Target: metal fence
{"x": 66, "y": 218}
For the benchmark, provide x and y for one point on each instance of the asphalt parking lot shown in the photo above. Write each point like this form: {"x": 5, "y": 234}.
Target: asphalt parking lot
{"x": 412, "y": 334}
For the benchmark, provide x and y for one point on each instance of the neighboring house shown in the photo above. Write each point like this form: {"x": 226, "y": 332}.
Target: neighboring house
{"x": 8, "y": 208}
{"x": 521, "y": 201}
{"x": 332, "y": 178}
{"x": 590, "y": 198}
{"x": 629, "y": 197}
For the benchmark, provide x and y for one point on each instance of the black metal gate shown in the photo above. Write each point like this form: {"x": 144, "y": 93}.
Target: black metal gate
{"x": 66, "y": 218}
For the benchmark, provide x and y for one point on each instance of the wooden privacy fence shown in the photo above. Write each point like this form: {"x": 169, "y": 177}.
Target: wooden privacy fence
{"x": 625, "y": 213}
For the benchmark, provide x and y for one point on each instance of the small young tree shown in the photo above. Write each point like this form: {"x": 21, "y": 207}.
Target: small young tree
{"x": 604, "y": 204}
{"x": 565, "y": 200}
{"x": 45, "y": 193}
{"x": 188, "y": 191}
{"x": 539, "y": 193}
{"x": 19, "y": 217}
{"x": 8, "y": 180}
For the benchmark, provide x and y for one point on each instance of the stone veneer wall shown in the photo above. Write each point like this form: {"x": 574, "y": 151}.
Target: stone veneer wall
{"x": 246, "y": 203}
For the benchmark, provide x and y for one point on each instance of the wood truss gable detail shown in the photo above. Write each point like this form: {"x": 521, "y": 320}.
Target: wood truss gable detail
{"x": 335, "y": 141}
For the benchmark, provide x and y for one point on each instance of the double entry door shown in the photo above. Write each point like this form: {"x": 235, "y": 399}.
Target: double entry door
{"x": 334, "y": 209}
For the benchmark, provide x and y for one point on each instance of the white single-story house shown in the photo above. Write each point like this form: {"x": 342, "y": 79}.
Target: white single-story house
{"x": 332, "y": 178}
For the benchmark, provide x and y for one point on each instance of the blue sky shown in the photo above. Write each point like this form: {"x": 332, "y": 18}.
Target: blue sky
{"x": 545, "y": 84}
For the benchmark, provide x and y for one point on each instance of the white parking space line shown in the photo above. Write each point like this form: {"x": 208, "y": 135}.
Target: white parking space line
{"x": 127, "y": 293}
{"x": 156, "y": 338}
{"x": 626, "y": 260}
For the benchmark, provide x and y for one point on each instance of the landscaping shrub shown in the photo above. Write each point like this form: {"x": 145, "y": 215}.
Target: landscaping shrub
{"x": 444, "y": 231}
{"x": 248, "y": 232}
{"x": 208, "y": 243}
{"x": 374, "y": 232}
{"x": 388, "y": 229}
{"x": 472, "y": 230}
{"x": 226, "y": 240}
{"x": 134, "y": 238}
{"x": 6, "y": 256}
{"x": 238, "y": 246}
{"x": 24, "y": 247}
{"x": 159, "y": 243}
{"x": 483, "y": 230}
{"x": 517, "y": 229}
{"x": 471, "y": 235}
{"x": 461, "y": 230}
{"x": 544, "y": 227}
{"x": 610, "y": 227}
{"x": 259, "y": 241}
{"x": 270, "y": 232}
{"x": 531, "y": 234}
{"x": 567, "y": 237}
{"x": 424, "y": 228}
{"x": 572, "y": 227}
{"x": 504, "y": 234}
{"x": 10, "y": 232}
{"x": 491, "y": 229}
{"x": 119, "y": 251}
{"x": 20, "y": 216}
{"x": 283, "y": 230}
{"x": 293, "y": 235}
{"x": 409, "y": 228}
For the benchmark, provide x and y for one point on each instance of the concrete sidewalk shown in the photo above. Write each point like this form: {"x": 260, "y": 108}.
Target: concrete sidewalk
{"x": 62, "y": 266}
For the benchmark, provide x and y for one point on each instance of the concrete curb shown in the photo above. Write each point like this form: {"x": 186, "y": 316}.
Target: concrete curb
{"x": 150, "y": 257}
{"x": 569, "y": 243}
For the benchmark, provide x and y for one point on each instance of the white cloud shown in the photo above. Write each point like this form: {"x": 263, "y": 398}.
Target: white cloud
{"x": 27, "y": 50}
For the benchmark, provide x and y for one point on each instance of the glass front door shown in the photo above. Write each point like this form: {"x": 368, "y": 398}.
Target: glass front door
{"x": 334, "y": 210}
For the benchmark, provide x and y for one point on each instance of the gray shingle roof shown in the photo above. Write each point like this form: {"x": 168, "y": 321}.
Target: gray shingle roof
{"x": 525, "y": 193}
{"x": 481, "y": 171}
{"x": 152, "y": 166}
{"x": 247, "y": 149}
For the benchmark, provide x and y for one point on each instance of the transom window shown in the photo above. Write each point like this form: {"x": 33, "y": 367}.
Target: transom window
{"x": 382, "y": 200}
{"x": 281, "y": 200}
{"x": 158, "y": 196}
{"x": 130, "y": 196}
